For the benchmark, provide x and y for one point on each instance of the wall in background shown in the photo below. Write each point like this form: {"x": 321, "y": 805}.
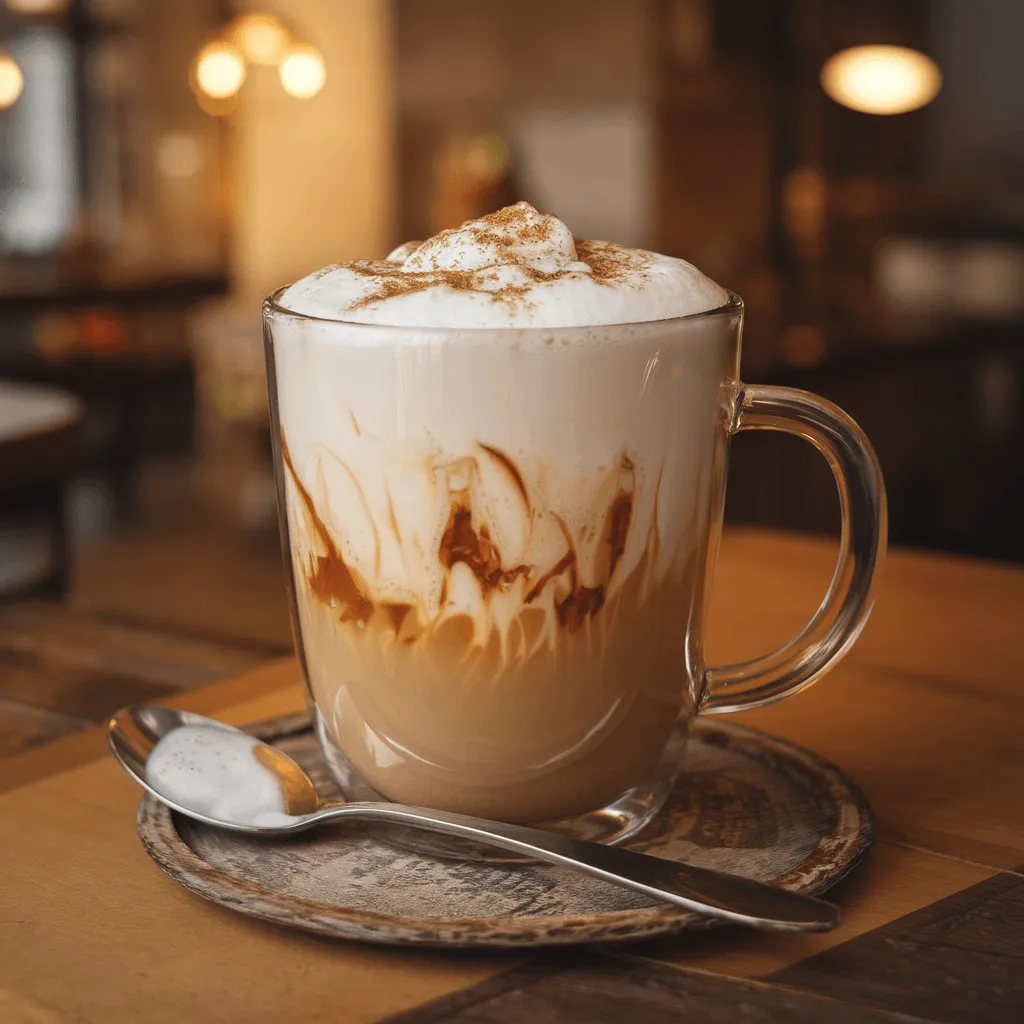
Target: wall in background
{"x": 978, "y": 114}
{"x": 571, "y": 96}
{"x": 314, "y": 177}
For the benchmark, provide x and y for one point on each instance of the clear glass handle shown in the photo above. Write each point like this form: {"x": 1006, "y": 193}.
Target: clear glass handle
{"x": 845, "y": 609}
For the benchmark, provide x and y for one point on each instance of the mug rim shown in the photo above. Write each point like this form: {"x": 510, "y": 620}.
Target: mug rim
{"x": 272, "y": 305}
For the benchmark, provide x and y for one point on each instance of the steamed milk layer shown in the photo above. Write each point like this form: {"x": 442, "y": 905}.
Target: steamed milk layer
{"x": 498, "y": 536}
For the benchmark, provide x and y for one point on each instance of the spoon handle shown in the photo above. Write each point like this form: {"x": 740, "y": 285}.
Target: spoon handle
{"x": 729, "y": 897}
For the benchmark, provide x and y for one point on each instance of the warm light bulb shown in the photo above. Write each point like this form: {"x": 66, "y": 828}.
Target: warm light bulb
{"x": 261, "y": 37}
{"x": 11, "y": 80}
{"x": 37, "y": 6}
{"x": 881, "y": 79}
{"x": 220, "y": 70}
{"x": 302, "y": 71}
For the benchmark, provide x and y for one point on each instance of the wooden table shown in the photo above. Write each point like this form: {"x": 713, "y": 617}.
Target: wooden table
{"x": 926, "y": 714}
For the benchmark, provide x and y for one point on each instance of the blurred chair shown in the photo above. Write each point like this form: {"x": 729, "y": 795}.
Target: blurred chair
{"x": 40, "y": 430}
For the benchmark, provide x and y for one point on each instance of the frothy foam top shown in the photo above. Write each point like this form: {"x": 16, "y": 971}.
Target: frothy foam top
{"x": 513, "y": 268}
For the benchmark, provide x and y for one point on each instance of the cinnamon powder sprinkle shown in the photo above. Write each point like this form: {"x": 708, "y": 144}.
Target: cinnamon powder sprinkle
{"x": 505, "y": 230}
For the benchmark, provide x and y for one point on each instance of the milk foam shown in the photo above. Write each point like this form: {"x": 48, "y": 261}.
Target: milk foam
{"x": 214, "y": 771}
{"x": 514, "y": 268}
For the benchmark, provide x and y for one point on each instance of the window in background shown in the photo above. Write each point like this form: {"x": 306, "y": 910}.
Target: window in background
{"x": 39, "y": 186}
{"x": 106, "y": 163}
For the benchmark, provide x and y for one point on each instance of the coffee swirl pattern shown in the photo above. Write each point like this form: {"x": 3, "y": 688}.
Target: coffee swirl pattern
{"x": 512, "y": 608}
{"x": 498, "y": 536}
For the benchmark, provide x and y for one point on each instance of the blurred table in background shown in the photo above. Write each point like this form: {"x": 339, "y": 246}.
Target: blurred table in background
{"x": 40, "y": 432}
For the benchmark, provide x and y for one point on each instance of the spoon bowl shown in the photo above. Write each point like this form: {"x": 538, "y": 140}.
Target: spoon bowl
{"x": 134, "y": 732}
{"x": 226, "y": 778}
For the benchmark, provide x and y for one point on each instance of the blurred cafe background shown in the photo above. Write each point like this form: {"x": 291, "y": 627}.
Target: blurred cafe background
{"x": 853, "y": 170}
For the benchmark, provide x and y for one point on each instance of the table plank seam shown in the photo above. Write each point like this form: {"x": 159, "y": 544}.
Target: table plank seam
{"x": 523, "y": 977}
{"x": 435, "y": 1011}
{"x": 959, "y": 958}
{"x": 760, "y": 984}
{"x": 962, "y": 686}
{"x": 78, "y": 720}
{"x": 264, "y": 649}
{"x": 18, "y": 636}
{"x": 1018, "y": 871}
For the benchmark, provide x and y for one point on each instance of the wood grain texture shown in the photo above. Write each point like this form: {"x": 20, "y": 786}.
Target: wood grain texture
{"x": 85, "y": 693}
{"x": 889, "y": 884}
{"x": 961, "y": 959}
{"x": 745, "y": 804}
{"x": 60, "y": 634}
{"x": 927, "y": 710}
{"x": 23, "y": 726}
{"x": 62, "y": 669}
{"x": 598, "y": 988}
{"x": 925, "y": 715}
{"x": 268, "y": 690}
{"x": 96, "y": 934}
{"x": 213, "y": 584}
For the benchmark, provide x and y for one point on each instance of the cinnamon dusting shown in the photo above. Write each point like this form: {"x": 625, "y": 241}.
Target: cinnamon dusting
{"x": 613, "y": 264}
{"x": 507, "y": 230}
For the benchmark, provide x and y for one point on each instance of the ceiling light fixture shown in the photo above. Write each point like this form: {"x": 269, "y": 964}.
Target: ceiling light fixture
{"x": 881, "y": 79}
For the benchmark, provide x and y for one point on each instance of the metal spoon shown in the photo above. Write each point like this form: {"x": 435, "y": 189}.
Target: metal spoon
{"x": 135, "y": 731}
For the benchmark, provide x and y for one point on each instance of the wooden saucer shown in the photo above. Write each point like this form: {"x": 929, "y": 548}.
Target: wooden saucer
{"x": 745, "y": 803}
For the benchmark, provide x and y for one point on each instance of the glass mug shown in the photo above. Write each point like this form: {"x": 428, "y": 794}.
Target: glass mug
{"x": 500, "y": 544}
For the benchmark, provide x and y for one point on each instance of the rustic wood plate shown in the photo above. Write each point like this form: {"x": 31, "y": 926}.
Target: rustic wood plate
{"x": 745, "y": 803}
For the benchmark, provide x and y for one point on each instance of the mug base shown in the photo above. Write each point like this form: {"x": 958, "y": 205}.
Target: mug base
{"x": 616, "y": 823}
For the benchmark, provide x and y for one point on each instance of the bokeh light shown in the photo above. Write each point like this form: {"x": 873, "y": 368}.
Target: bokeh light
{"x": 178, "y": 155}
{"x": 881, "y": 79}
{"x": 261, "y": 37}
{"x": 11, "y": 80}
{"x": 488, "y": 156}
{"x": 36, "y": 6}
{"x": 302, "y": 71}
{"x": 220, "y": 70}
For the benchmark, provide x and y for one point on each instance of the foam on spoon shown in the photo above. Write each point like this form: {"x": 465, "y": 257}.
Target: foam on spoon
{"x": 214, "y": 771}
{"x": 513, "y": 268}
